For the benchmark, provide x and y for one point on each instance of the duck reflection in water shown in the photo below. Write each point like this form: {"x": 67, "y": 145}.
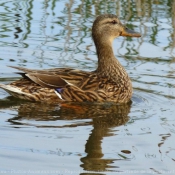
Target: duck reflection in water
{"x": 104, "y": 118}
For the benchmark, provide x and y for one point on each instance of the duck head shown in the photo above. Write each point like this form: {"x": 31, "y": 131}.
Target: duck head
{"x": 108, "y": 27}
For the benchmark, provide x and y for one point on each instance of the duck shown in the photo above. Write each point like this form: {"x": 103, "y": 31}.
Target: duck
{"x": 108, "y": 83}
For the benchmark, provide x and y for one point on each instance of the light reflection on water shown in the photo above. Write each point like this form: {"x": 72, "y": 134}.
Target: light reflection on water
{"x": 85, "y": 137}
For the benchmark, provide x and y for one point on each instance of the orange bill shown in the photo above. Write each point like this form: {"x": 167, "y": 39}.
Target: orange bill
{"x": 129, "y": 32}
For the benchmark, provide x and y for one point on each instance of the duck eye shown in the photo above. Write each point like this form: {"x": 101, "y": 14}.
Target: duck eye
{"x": 114, "y": 22}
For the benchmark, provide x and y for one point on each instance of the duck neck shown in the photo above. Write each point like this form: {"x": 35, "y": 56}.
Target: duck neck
{"x": 108, "y": 66}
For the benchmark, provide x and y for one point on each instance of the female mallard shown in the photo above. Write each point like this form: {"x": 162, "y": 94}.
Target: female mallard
{"x": 109, "y": 82}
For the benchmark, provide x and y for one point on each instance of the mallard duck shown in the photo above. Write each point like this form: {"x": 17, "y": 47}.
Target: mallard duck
{"x": 109, "y": 82}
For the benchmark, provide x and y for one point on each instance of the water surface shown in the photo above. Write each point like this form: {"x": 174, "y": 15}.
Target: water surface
{"x": 135, "y": 138}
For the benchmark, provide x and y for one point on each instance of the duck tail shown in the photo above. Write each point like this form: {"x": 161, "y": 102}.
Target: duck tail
{"x": 16, "y": 92}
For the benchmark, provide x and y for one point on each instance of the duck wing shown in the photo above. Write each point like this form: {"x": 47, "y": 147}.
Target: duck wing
{"x": 72, "y": 76}
{"x": 48, "y": 81}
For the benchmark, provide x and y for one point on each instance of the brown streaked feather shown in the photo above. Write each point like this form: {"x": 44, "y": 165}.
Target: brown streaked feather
{"x": 73, "y": 93}
{"x": 90, "y": 83}
{"x": 28, "y": 90}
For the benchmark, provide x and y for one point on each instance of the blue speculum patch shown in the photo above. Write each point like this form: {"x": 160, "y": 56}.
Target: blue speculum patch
{"x": 59, "y": 90}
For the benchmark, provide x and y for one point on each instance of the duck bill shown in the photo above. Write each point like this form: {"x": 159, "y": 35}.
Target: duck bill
{"x": 129, "y": 32}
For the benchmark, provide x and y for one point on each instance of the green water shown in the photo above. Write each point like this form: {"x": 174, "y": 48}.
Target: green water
{"x": 136, "y": 138}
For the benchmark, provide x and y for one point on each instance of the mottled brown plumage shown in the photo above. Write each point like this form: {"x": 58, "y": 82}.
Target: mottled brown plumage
{"x": 109, "y": 82}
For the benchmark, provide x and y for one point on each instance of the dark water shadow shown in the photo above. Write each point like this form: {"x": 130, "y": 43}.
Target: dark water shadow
{"x": 104, "y": 118}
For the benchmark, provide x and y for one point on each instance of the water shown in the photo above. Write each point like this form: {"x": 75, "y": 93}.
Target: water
{"x": 136, "y": 138}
